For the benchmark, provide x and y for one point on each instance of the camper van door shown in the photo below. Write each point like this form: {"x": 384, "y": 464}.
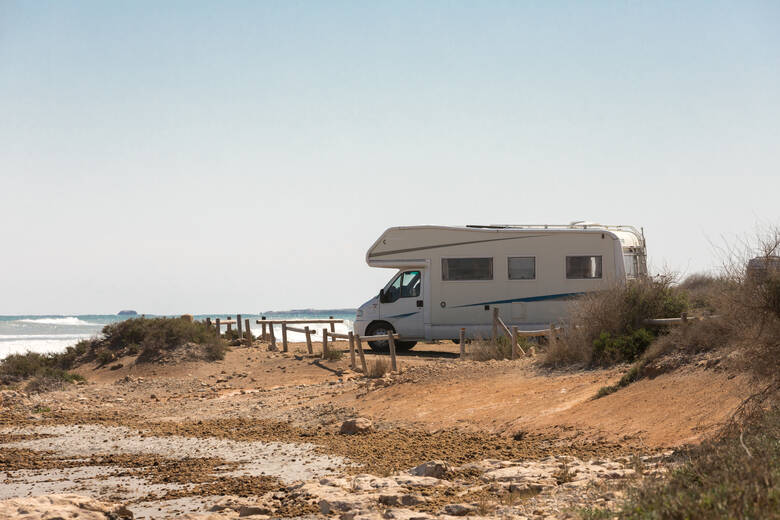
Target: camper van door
{"x": 402, "y": 303}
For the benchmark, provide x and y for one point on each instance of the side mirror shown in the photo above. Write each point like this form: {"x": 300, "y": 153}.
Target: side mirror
{"x": 381, "y": 295}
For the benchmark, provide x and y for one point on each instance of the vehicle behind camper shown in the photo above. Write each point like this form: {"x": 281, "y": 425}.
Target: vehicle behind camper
{"x": 452, "y": 277}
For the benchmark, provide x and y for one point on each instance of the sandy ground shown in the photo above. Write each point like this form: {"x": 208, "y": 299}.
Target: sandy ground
{"x": 178, "y": 438}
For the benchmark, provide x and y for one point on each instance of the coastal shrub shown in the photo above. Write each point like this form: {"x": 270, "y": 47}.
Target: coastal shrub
{"x": 151, "y": 339}
{"x": 744, "y": 320}
{"x": 214, "y": 350}
{"x": 159, "y": 333}
{"x": 736, "y": 475}
{"x": 618, "y": 311}
{"x": 43, "y": 368}
{"x": 623, "y": 348}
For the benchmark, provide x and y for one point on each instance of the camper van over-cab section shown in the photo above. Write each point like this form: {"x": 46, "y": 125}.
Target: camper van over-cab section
{"x": 452, "y": 277}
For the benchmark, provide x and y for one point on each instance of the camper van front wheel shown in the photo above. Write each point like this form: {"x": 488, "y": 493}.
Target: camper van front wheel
{"x": 376, "y": 328}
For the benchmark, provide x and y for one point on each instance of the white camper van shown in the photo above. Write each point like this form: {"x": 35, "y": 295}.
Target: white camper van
{"x": 452, "y": 277}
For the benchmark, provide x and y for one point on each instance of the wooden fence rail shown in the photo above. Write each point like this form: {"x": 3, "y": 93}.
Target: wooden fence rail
{"x": 514, "y": 333}
{"x": 684, "y": 318}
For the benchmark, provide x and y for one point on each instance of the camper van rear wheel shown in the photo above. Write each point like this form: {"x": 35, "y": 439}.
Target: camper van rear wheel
{"x": 377, "y": 328}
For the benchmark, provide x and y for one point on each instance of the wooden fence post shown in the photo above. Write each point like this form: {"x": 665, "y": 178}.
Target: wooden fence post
{"x": 308, "y": 340}
{"x": 264, "y": 335}
{"x": 351, "y": 350}
{"x": 332, "y": 326}
{"x": 248, "y": 333}
{"x": 229, "y": 326}
{"x": 208, "y": 322}
{"x": 324, "y": 343}
{"x": 515, "y": 346}
{"x": 494, "y": 337}
{"x": 393, "y": 363}
{"x": 218, "y": 333}
{"x": 284, "y": 337}
{"x": 462, "y": 342}
{"x": 362, "y": 355}
{"x": 238, "y": 326}
{"x": 273, "y": 336}
{"x": 551, "y": 338}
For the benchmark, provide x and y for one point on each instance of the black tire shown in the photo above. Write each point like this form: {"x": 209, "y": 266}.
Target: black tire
{"x": 382, "y": 327}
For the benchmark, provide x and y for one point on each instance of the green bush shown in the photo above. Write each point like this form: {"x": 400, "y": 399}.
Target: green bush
{"x": 620, "y": 312}
{"x": 624, "y": 348}
{"x": 149, "y": 338}
{"x": 214, "y": 350}
{"x": 43, "y": 369}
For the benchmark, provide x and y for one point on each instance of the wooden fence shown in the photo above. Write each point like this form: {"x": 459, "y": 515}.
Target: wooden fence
{"x": 513, "y": 333}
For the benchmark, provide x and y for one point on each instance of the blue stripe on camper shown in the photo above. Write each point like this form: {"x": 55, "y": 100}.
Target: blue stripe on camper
{"x": 404, "y": 315}
{"x": 528, "y": 299}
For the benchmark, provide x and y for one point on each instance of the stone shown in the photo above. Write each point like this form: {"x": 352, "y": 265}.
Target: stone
{"x": 405, "y": 514}
{"x": 434, "y": 468}
{"x": 356, "y": 426}
{"x": 402, "y": 500}
{"x": 253, "y": 510}
{"x": 459, "y": 509}
{"x": 415, "y": 481}
{"x": 44, "y": 507}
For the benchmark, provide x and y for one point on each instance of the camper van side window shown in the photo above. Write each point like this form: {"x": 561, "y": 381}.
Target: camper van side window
{"x": 466, "y": 268}
{"x": 583, "y": 267}
{"x": 522, "y": 267}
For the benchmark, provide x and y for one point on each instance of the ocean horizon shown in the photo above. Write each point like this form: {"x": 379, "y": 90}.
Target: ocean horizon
{"x": 53, "y": 333}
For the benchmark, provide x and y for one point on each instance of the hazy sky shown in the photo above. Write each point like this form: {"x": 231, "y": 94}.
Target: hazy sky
{"x": 242, "y": 156}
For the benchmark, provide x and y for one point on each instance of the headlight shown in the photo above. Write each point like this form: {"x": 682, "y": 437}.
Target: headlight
{"x": 360, "y": 313}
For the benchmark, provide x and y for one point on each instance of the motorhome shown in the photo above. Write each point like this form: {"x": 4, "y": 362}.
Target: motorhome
{"x": 450, "y": 278}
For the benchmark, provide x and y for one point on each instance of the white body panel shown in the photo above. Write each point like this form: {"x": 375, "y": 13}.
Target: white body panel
{"x": 441, "y": 307}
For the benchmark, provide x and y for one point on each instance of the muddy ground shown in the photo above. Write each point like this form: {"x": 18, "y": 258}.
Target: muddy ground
{"x": 258, "y": 434}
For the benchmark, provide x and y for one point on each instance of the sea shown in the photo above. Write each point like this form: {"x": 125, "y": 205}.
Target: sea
{"x": 55, "y": 333}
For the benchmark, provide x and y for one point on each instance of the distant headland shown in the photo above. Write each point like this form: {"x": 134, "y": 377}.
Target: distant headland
{"x": 127, "y": 313}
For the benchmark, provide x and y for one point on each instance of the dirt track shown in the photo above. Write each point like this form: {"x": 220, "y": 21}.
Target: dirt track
{"x": 437, "y": 408}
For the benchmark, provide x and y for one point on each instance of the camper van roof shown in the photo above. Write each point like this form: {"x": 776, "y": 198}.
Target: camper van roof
{"x": 629, "y": 235}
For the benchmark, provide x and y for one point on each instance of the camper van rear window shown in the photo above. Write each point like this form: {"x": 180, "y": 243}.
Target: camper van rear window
{"x": 583, "y": 267}
{"x": 466, "y": 268}
{"x": 522, "y": 268}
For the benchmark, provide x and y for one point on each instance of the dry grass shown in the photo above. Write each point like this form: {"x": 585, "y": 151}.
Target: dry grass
{"x": 333, "y": 354}
{"x": 485, "y": 349}
{"x": 378, "y": 367}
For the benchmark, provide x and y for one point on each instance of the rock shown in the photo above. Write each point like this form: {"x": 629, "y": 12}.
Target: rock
{"x": 340, "y": 502}
{"x": 356, "y": 426}
{"x": 45, "y": 507}
{"x": 434, "y": 468}
{"x": 459, "y": 509}
{"x": 402, "y": 500}
{"x": 405, "y": 514}
{"x": 414, "y": 481}
{"x": 253, "y": 510}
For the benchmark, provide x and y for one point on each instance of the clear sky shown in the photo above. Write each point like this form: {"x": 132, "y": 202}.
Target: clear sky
{"x": 242, "y": 156}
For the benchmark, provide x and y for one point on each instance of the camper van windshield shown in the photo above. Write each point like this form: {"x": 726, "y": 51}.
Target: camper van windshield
{"x": 405, "y": 285}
